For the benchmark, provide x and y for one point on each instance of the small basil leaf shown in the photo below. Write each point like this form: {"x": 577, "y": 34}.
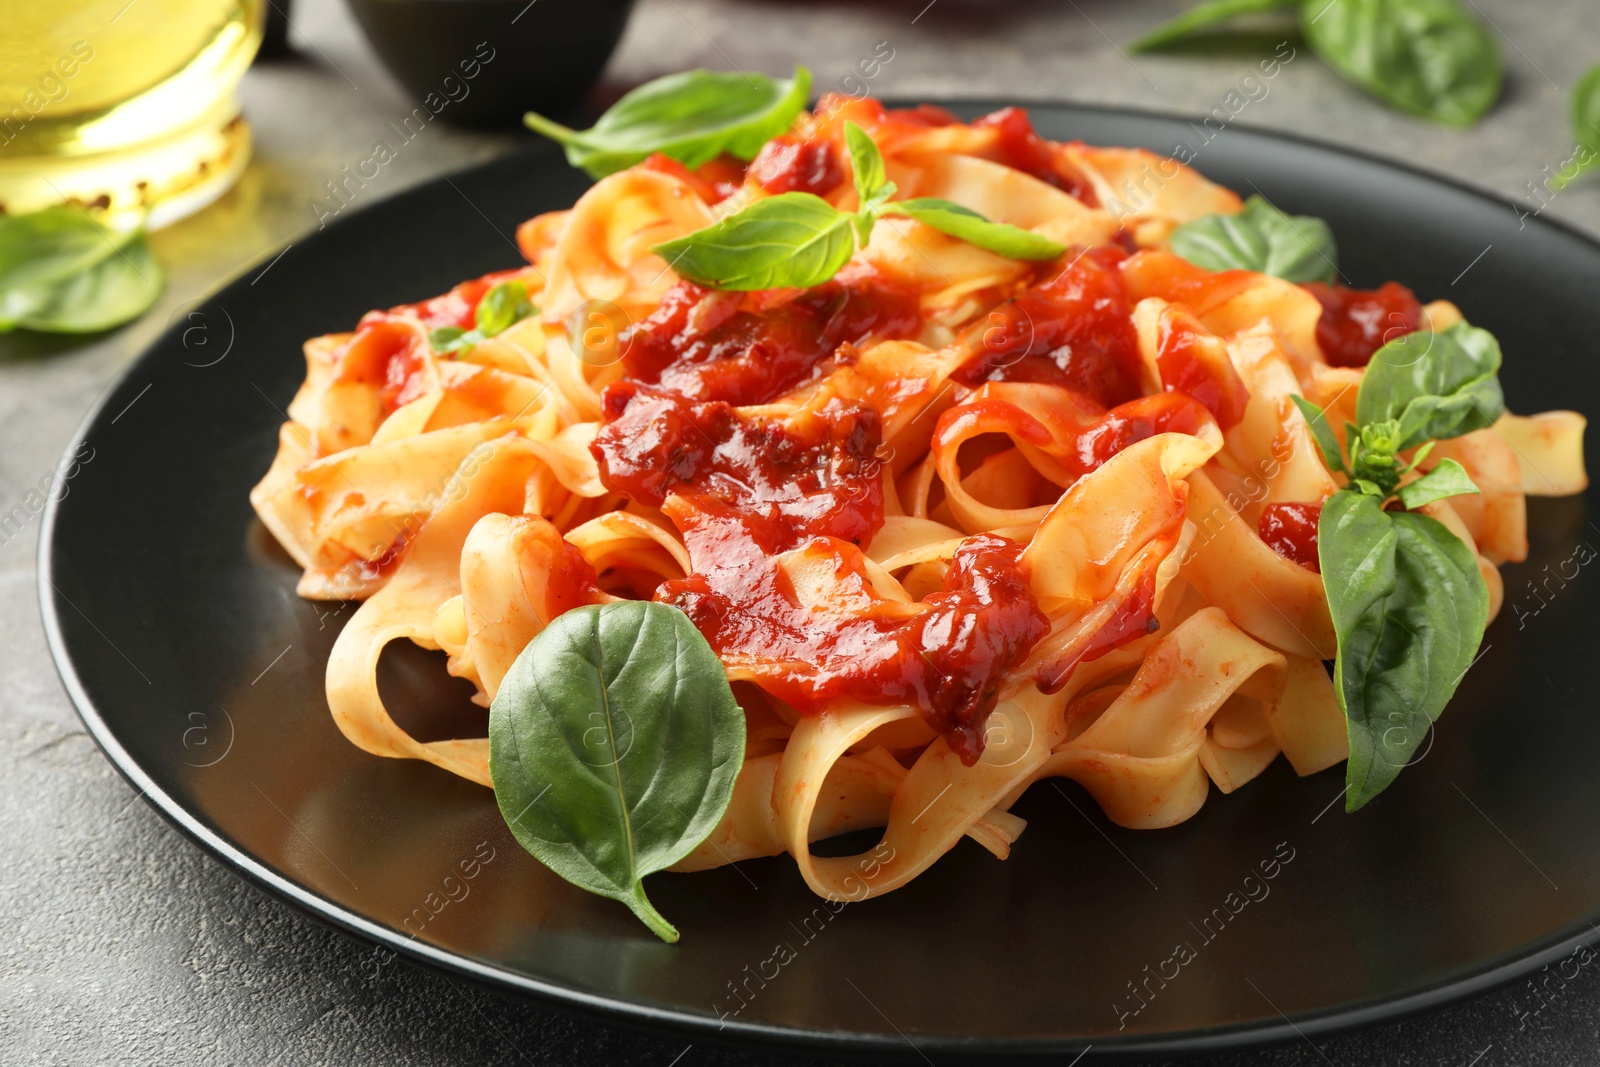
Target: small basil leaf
{"x": 1409, "y": 607}
{"x": 117, "y": 288}
{"x": 43, "y": 246}
{"x": 1438, "y": 385}
{"x": 1449, "y": 478}
{"x": 1428, "y": 57}
{"x": 501, "y": 307}
{"x": 873, "y": 188}
{"x": 614, "y": 742}
{"x": 1586, "y": 110}
{"x": 1321, "y": 432}
{"x": 1418, "y": 456}
{"x": 1371, "y": 489}
{"x": 866, "y": 162}
{"x": 1202, "y": 15}
{"x": 791, "y": 240}
{"x": 1375, "y": 457}
{"x": 967, "y": 225}
{"x": 1585, "y": 128}
{"x": 693, "y": 117}
{"x": 450, "y": 339}
{"x": 1299, "y": 248}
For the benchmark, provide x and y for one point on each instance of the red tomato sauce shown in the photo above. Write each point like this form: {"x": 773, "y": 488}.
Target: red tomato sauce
{"x": 923, "y": 116}
{"x": 1022, "y": 149}
{"x": 1076, "y": 432}
{"x": 1196, "y": 364}
{"x": 778, "y": 485}
{"x": 1178, "y": 281}
{"x": 714, "y": 181}
{"x": 790, "y": 164}
{"x": 715, "y": 346}
{"x": 389, "y": 353}
{"x": 1075, "y": 331}
{"x": 742, "y": 490}
{"x": 1355, "y": 323}
{"x": 947, "y": 661}
{"x": 1290, "y": 530}
{"x": 1135, "y": 421}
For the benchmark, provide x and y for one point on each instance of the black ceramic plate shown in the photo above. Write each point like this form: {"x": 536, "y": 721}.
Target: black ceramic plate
{"x": 173, "y": 619}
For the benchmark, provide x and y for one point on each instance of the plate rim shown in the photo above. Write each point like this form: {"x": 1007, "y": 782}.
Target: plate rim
{"x": 1328, "y": 1021}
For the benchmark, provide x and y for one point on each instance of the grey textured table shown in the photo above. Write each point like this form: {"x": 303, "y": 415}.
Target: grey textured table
{"x": 123, "y": 943}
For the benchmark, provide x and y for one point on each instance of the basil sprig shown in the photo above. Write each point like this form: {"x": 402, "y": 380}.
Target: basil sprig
{"x": 800, "y": 240}
{"x": 498, "y": 310}
{"x": 1408, "y": 603}
{"x": 62, "y": 271}
{"x": 1585, "y": 112}
{"x": 1261, "y": 238}
{"x": 1431, "y": 58}
{"x": 614, "y": 743}
{"x": 693, "y": 117}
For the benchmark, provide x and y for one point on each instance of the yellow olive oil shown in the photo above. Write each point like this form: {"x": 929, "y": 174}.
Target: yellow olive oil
{"x": 128, "y": 105}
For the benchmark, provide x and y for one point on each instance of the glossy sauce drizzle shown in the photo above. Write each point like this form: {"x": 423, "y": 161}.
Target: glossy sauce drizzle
{"x": 709, "y": 345}
{"x": 1290, "y": 530}
{"x": 1355, "y": 323}
{"x": 758, "y": 500}
{"x": 1074, "y": 330}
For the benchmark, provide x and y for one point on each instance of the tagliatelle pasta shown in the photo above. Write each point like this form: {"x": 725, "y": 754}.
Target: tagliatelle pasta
{"x": 953, "y": 522}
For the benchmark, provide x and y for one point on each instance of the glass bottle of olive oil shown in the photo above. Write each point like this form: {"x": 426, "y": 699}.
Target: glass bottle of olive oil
{"x": 128, "y": 105}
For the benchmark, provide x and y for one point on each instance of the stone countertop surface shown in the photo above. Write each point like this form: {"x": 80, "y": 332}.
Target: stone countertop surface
{"x": 123, "y": 943}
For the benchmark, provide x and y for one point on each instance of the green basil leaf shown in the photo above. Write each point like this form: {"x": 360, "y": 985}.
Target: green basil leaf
{"x": 693, "y": 117}
{"x": 1418, "y": 456}
{"x": 451, "y": 339}
{"x": 1409, "y": 608}
{"x": 614, "y": 742}
{"x": 866, "y": 162}
{"x": 43, "y": 246}
{"x": 1585, "y": 111}
{"x": 1299, "y": 248}
{"x": 1449, "y": 478}
{"x": 791, "y": 240}
{"x": 501, "y": 307}
{"x": 873, "y": 188}
{"x": 1428, "y": 57}
{"x": 967, "y": 225}
{"x": 1437, "y": 385}
{"x": 118, "y": 287}
{"x": 1202, "y": 15}
{"x": 1321, "y": 433}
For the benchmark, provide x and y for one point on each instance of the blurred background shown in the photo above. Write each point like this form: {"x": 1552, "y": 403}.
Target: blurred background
{"x": 126, "y": 944}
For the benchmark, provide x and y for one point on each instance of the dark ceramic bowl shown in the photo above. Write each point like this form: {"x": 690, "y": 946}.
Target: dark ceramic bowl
{"x": 485, "y": 62}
